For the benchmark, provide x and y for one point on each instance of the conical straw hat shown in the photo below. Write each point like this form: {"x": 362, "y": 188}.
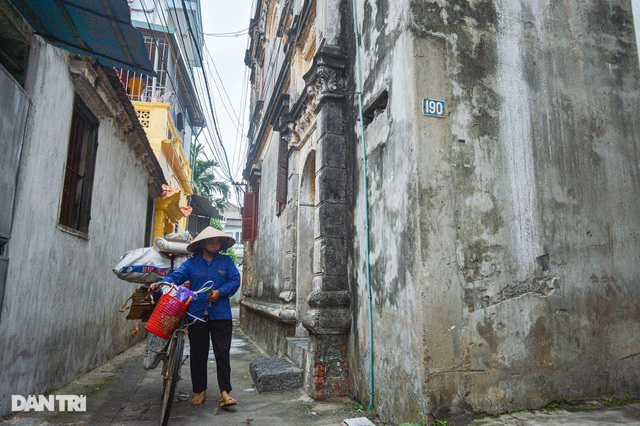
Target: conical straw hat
{"x": 211, "y": 232}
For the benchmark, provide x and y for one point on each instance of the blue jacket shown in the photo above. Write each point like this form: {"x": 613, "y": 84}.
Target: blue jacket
{"x": 226, "y": 279}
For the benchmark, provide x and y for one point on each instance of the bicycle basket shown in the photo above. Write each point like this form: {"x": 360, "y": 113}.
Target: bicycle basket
{"x": 166, "y": 316}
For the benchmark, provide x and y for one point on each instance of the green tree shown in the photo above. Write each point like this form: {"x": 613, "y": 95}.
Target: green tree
{"x": 205, "y": 182}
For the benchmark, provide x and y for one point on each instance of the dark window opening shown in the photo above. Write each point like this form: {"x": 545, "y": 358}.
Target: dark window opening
{"x": 376, "y": 107}
{"x": 14, "y": 41}
{"x": 179, "y": 122}
{"x": 75, "y": 212}
{"x": 148, "y": 227}
{"x": 282, "y": 177}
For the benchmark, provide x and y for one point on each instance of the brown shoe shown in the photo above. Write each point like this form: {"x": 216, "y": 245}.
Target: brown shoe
{"x": 199, "y": 398}
{"x": 227, "y": 401}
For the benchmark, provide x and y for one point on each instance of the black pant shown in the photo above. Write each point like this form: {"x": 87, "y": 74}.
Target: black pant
{"x": 220, "y": 333}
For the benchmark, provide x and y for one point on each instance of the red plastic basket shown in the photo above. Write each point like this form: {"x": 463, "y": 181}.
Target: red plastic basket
{"x": 166, "y": 316}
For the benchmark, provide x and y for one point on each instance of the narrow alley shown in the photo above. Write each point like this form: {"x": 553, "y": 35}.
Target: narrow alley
{"x": 421, "y": 211}
{"x": 122, "y": 392}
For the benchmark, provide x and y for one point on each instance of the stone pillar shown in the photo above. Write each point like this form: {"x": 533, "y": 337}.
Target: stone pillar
{"x": 329, "y": 318}
{"x": 328, "y": 322}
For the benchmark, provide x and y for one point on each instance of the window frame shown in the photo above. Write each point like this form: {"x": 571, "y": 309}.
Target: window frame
{"x": 282, "y": 178}
{"x": 250, "y": 217}
{"x": 77, "y": 189}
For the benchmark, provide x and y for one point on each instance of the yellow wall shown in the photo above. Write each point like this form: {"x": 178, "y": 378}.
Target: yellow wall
{"x": 156, "y": 120}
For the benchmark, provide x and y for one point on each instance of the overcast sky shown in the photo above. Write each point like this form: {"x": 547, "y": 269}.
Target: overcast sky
{"x": 223, "y": 16}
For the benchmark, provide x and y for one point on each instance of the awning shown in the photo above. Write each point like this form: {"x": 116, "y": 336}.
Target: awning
{"x": 202, "y": 207}
{"x": 98, "y": 28}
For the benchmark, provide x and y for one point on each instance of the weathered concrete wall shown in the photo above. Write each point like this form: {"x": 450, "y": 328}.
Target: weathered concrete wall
{"x": 266, "y": 258}
{"x": 60, "y": 314}
{"x": 504, "y": 238}
{"x": 271, "y": 265}
{"x": 268, "y": 278}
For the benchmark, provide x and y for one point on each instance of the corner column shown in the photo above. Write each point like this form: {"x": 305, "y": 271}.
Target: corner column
{"x": 329, "y": 318}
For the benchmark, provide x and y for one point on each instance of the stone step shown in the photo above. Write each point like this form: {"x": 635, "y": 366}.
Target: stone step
{"x": 297, "y": 350}
{"x": 274, "y": 374}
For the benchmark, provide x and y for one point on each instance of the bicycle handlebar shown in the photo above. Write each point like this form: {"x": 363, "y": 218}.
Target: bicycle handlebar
{"x": 205, "y": 287}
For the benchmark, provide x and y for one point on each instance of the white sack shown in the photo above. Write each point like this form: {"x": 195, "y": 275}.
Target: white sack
{"x": 146, "y": 265}
{"x": 168, "y": 246}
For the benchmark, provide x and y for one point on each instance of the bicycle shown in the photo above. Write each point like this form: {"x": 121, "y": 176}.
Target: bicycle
{"x": 172, "y": 363}
{"x": 173, "y": 359}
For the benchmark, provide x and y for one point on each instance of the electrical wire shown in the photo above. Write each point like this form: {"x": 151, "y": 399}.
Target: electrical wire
{"x": 229, "y": 34}
{"x": 218, "y": 156}
{"x": 236, "y": 121}
{"x": 215, "y": 124}
{"x": 241, "y": 141}
{"x": 217, "y": 150}
{"x": 165, "y": 26}
{"x": 234, "y": 118}
{"x": 154, "y": 40}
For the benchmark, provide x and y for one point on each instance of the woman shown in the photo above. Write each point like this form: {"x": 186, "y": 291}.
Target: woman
{"x": 213, "y": 313}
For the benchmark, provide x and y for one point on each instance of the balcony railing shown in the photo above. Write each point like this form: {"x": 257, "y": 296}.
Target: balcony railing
{"x": 142, "y": 88}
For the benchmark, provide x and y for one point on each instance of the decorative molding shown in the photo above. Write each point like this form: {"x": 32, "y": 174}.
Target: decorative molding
{"x": 327, "y": 320}
{"x": 287, "y": 296}
{"x": 291, "y": 135}
{"x": 319, "y": 299}
{"x": 90, "y": 84}
{"x": 325, "y": 80}
{"x": 329, "y": 313}
{"x": 256, "y": 117}
{"x": 144, "y": 115}
{"x": 283, "y": 313}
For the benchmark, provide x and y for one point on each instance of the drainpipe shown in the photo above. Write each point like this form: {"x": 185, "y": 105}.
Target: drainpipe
{"x": 366, "y": 202}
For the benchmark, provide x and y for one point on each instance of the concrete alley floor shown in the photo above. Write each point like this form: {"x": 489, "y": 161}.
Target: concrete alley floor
{"x": 121, "y": 392}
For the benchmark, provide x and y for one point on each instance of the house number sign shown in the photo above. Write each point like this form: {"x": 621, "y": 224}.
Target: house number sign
{"x": 434, "y": 108}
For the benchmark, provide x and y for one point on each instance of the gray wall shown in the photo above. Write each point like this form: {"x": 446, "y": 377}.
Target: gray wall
{"x": 60, "y": 314}
{"x": 263, "y": 263}
{"x": 267, "y": 264}
{"x": 504, "y": 238}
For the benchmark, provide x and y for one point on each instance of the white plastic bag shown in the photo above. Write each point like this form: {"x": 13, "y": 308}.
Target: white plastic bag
{"x": 146, "y": 265}
{"x": 168, "y": 246}
{"x": 154, "y": 351}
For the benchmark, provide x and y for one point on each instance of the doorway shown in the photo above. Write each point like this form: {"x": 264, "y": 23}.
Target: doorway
{"x": 305, "y": 243}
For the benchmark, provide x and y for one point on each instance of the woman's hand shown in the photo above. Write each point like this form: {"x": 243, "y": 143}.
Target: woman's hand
{"x": 213, "y": 295}
{"x": 155, "y": 286}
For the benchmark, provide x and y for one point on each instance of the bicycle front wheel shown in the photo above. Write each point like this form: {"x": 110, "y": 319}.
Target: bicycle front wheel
{"x": 174, "y": 362}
